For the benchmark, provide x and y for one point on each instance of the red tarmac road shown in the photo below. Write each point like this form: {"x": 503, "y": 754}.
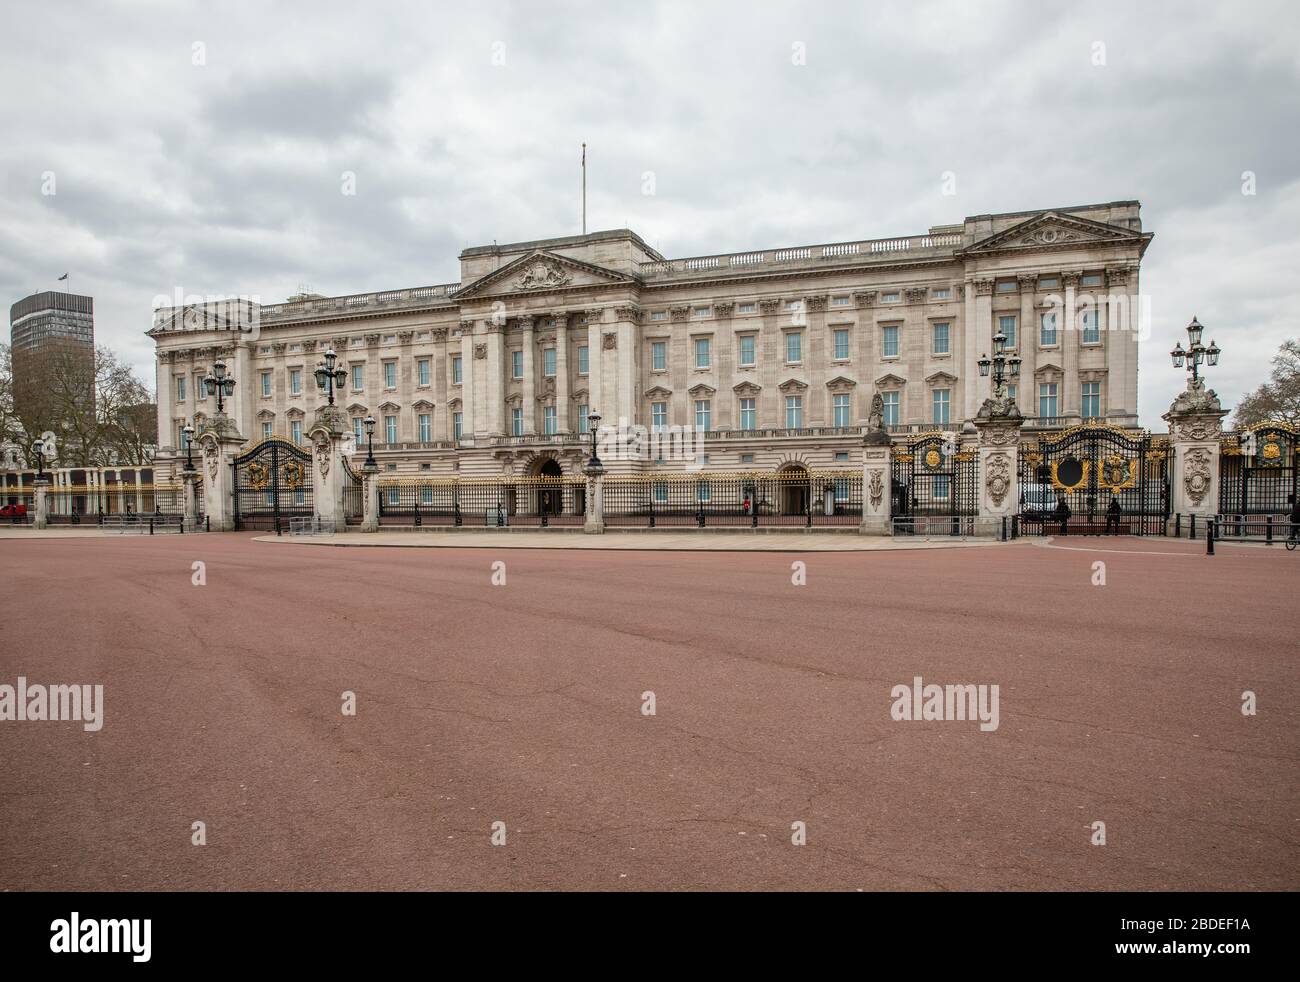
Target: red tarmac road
{"x": 522, "y": 704}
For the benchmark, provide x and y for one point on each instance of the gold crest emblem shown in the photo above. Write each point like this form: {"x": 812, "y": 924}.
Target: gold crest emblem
{"x": 258, "y": 476}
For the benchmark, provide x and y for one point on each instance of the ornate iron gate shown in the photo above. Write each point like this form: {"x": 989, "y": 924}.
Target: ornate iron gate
{"x": 354, "y": 502}
{"x": 1088, "y": 467}
{"x": 1259, "y": 470}
{"x": 272, "y": 484}
{"x": 933, "y": 478}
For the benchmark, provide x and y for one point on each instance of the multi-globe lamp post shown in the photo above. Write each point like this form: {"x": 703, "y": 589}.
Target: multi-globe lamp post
{"x": 1002, "y": 365}
{"x": 593, "y": 424}
{"x": 328, "y": 377}
{"x": 1195, "y": 353}
{"x": 220, "y": 384}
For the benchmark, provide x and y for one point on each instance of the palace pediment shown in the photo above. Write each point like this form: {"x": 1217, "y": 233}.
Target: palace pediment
{"x": 1055, "y": 230}
{"x": 541, "y": 272}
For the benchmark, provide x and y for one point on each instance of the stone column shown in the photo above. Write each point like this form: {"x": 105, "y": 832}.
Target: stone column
{"x": 626, "y": 356}
{"x": 40, "y": 488}
{"x": 595, "y": 521}
{"x": 370, "y": 518}
{"x": 1195, "y": 426}
{"x": 326, "y": 436}
{"x": 562, "y": 375}
{"x": 595, "y": 378}
{"x": 999, "y": 422}
{"x": 220, "y": 442}
{"x": 876, "y": 481}
{"x": 530, "y": 377}
{"x": 495, "y": 389}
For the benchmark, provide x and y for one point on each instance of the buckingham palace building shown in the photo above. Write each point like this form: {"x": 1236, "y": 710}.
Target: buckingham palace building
{"x": 773, "y": 355}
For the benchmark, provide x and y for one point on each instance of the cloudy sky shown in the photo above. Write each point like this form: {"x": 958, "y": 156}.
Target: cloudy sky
{"x": 462, "y": 123}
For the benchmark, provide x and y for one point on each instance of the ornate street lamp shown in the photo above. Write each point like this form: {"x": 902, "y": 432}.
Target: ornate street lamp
{"x": 1003, "y": 367}
{"x": 369, "y": 424}
{"x": 328, "y": 378}
{"x": 1195, "y": 353}
{"x": 188, "y": 434}
{"x": 220, "y": 384}
{"x": 593, "y": 424}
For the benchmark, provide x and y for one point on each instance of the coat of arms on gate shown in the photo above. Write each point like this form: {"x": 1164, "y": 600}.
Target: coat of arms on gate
{"x": 258, "y": 476}
{"x": 293, "y": 475}
{"x": 1118, "y": 473}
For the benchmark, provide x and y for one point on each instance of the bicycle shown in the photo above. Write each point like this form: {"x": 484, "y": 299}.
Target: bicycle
{"x": 1293, "y": 538}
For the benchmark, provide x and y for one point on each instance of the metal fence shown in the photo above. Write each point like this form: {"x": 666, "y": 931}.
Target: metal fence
{"x": 1244, "y": 528}
{"x": 72, "y": 505}
{"x": 536, "y": 502}
{"x": 800, "y": 499}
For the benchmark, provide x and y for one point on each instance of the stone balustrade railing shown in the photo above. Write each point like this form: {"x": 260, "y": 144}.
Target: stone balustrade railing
{"x": 882, "y": 248}
{"x": 360, "y": 301}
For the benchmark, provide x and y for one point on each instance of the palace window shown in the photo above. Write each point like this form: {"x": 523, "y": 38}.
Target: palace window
{"x": 940, "y": 405}
{"x": 394, "y": 496}
{"x": 358, "y": 377}
{"x": 794, "y": 347}
{"x": 891, "y": 408}
{"x": 516, "y": 364}
{"x": 1049, "y": 283}
{"x": 793, "y": 412}
{"x": 390, "y": 429}
{"x": 180, "y": 388}
{"x": 702, "y": 492}
{"x": 455, "y": 370}
{"x": 889, "y": 297}
{"x": 1047, "y": 399}
{"x": 747, "y": 458}
{"x": 1092, "y": 279}
{"x": 1047, "y": 331}
{"x": 746, "y": 308}
{"x": 295, "y": 381}
{"x": 422, "y": 371}
{"x": 702, "y": 311}
{"x": 747, "y": 346}
{"x": 584, "y": 410}
{"x": 659, "y": 356}
{"x": 748, "y": 414}
{"x": 1091, "y": 400}
{"x": 266, "y": 383}
{"x": 358, "y": 431}
{"x": 426, "y": 428}
{"x": 584, "y": 359}
{"x": 1006, "y": 286}
{"x": 548, "y": 361}
{"x": 390, "y": 375}
{"x": 703, "y": 415}
{"x": 841, "y": 343}
{"x": 659, "y": 417}
{"x": 1007, "y": 325}
{"x": 295, "y": 430}
{"x": 516, "y": 422}
{"x": 549, "y": 421}
{"x": 889, "y": 342}
{"x": 840, "y": 409}
{"x": 659, "y": 315}
{"x": 703, "y": 352}
{"x": 1091, "y": 327}
{"x": 266, "y": 430}
{"x": 941, "y": 338}
{"x": 940, "y": 293}
{"x": 457, "y": 425}
{"x": 426, "y": 495}
{"x": 839, "y": 301}
{"x": 661, "y": 493}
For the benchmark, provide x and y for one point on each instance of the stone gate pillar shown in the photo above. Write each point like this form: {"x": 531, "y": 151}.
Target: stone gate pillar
{"x": 370, "y": 488}
{"x": 1195, "y": 427}
{"x": 595, "y": 521}
{"x": 999, "y": 422}
{"x": 188, "y": 504}
{"x": 327, "y": 435}
{"x": 220, "y": 442}
{"x": 40, "y": 489}
{"x": 877, "y": 494}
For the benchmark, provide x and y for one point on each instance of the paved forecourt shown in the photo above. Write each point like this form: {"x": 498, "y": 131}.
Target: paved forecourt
{"x": 523, "y": 704}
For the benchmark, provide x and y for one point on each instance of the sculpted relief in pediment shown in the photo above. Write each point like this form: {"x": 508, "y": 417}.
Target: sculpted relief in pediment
{"x": 543, "y": 274}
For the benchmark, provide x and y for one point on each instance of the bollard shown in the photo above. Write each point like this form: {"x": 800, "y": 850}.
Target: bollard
{"x": 1191, "y": 534}
{"x": 207, "y": 523}
{"x": 1178, "y": 525}
{"x": 1209, "y": 537}
{"x": 1268, "y": 529}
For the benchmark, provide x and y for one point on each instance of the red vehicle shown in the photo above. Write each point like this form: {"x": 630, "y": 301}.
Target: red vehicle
{"x": 13, "y": 511}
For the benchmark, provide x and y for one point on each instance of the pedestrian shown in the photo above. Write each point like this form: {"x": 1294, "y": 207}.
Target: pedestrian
{"x": 1062, "y": 513}
{"x": 1295, "y": 517}
{"x": 1112, "y": 516}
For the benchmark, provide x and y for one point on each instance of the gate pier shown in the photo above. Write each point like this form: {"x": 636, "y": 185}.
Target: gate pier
{"x": 1195, "y": 428}
{"x": 219, "y": 441}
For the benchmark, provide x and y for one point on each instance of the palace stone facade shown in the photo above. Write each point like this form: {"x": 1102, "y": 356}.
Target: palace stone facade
{"x": 776, "y": 354}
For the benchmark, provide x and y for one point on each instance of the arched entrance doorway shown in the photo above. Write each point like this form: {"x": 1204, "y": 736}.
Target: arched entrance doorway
{"x": 549, "y": 489}
{"x": 794, "y": 490}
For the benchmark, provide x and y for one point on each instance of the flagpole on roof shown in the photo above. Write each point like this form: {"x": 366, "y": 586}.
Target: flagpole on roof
{"x": 584, "y": 189}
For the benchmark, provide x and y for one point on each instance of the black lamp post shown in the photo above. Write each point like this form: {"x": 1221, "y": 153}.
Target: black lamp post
{"x": 328, "y": 378}
{"x": 1003, "y": 367}
{"x": 369, "y": 424}
{"x": 1195, "y": 353}
{"x": 593, "y": 424}
{"x": 219, "y": 384}
{"x": 188, "y": 431}
{"x": 38, "y": 448}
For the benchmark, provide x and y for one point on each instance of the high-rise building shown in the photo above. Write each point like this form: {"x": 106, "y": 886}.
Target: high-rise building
{"x": 51, "y": 332}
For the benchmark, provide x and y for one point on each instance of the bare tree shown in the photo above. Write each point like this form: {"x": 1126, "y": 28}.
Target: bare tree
{"x": 1279, "y": 397}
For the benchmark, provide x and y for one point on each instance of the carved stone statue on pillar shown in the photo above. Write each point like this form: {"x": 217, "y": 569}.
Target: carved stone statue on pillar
{"x": 876, "y": 476}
